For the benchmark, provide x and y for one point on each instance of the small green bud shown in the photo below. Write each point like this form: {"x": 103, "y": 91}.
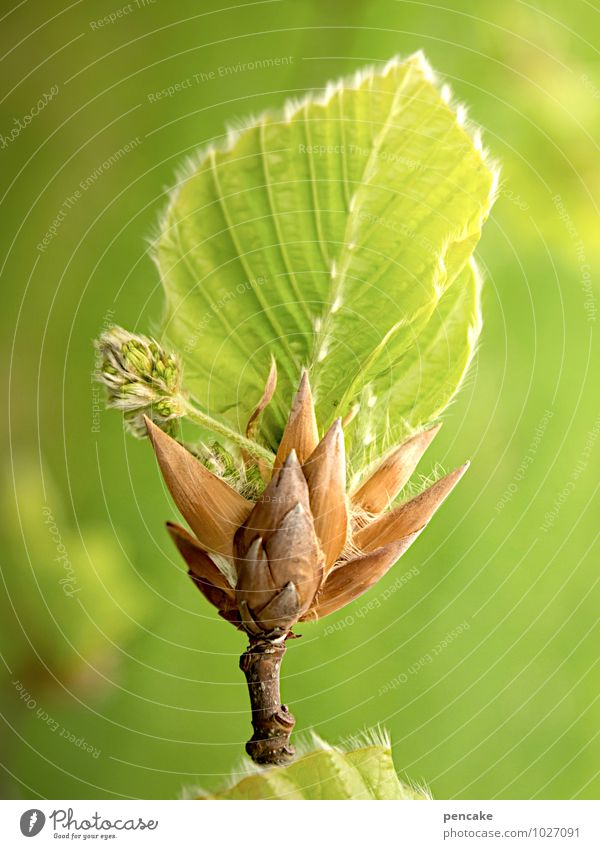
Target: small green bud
{"x": 137, "y": 358}
{"x": 142, "y": 379}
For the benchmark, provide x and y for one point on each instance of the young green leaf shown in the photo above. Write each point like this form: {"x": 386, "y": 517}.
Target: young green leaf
{"x": 334, "y": 236}
{"x": 363, "y": 771}
{"x": 432, "y": 369}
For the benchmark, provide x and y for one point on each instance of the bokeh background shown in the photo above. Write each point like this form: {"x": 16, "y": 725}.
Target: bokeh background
{"x": 118, "y": 679}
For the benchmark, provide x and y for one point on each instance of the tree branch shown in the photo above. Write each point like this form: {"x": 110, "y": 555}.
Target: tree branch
{"x": 272, "y": 722}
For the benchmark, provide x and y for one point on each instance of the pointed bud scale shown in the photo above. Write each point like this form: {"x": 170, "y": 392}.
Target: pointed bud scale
{"x": 351, "y": 415}
{"x": 265, "y": 400}
{"x": 300, "y": 432}
{"x": 211, "y": 507}
{"x": 351, "y": 579}
{"x": 408, "y": 517}
{"x": 198, "y": 561}
{"x": 276, "y": 546}
{"x": 255, "y": 585}
{"x": 264, "y": 468}
{"x": 263, "y": 606}
{"x": 287, "y": 488}
{"x": 227, "y": 609}
{"x": 249, "y": 624}
{"x": 294, "y": 555}
{"x": 204, "y": 573}
{"x": 325, "y": 473}
{"x": 283, "y": 611}
{"x": 289, "y": 556}
{"x": 382, "y": 487}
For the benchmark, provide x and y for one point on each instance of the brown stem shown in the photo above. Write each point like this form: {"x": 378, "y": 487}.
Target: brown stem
{"x": 272, "y": 722}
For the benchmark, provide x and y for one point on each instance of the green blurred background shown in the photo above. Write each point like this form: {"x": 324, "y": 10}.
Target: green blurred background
{"x": 118, "y": 679}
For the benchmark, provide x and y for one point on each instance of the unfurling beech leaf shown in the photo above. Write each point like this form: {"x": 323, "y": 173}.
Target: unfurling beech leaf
{"x": 432, "y": 369}
{"x": 334, "y": 236}
{"x": 365, "y": 771}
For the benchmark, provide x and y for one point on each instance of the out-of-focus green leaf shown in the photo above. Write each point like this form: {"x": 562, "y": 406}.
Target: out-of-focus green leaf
{"x": 363, "y": 772}
{"x": 329, "y": 236}
{"x": 75, "y": 597}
